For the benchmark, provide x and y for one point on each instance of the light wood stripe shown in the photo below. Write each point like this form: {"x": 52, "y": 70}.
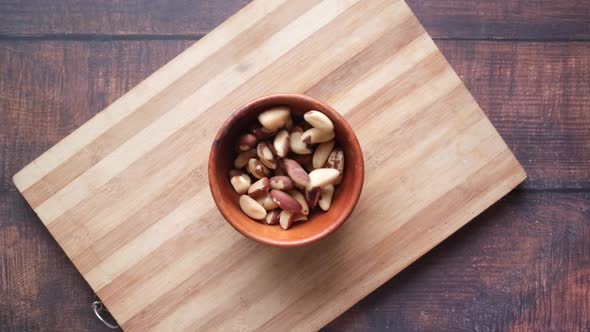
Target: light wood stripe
{"x": 399, "y": 63}
{"x": 124, "y": 300}
{"x": 99, "y": 222}
{"x": 179, "y": 191}
{"x": 149, "y": 240}
{"x": 208, "y": 273}
{"x": 126, "y": 196}
{"x": 143, "y": 92}
{"x": 394, "y": 96}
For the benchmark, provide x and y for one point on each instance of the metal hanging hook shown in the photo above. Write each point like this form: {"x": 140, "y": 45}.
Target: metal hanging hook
{"x": 97, "y": 307}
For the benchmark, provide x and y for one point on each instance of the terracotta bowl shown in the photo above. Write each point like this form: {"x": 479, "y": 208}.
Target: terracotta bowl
{"x": 320, "y": 224}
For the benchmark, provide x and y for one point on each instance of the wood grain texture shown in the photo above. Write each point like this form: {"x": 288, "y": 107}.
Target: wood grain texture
{"x": 508, "y": 19}
{"x": 120, "y": 17}
{"x": 48, "y": 89}
{"x": 182, "y": 267}
{"x": 52, "y": 87}
{"x": 522, "y": 264}
{"x": 40, "y": 289}
{"x": 538, "y": 97}
{"x": 35, "y": 262}
{"x": 511, "y": 19}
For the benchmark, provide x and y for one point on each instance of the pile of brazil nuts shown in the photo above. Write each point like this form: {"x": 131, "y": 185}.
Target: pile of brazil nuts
{"x": 294, "y": 164}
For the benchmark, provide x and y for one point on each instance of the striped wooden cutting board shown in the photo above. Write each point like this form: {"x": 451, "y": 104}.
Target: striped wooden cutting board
{"x": 126, "y": 195}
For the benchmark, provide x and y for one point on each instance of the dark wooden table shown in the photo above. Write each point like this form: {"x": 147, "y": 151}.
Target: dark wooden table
{"x": 523, "y": 265}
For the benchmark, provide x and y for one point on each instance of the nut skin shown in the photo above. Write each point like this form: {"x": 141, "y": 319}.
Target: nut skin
{"x": 336, "y": 161}
{"x": 296, "y": 143}
{"x": 322, "y": 153}
{"x": 315, "y": 135}
{"x": 318, "y": 120}
{"x": 259, "y": 188}
{"x": 275, "y": 118}
{"x": 296, "y": 172}
{"x": 235, "y": 172}
{"x": 272, "y": 218}
{"x": 241, "y": 160}
{"x": 282, "y": 143}
{"x": 246, "y": 142}
{"x": 252, "y": 208}
{"x": 323, "y": 176}
{"x": 281, "y": 182}
{"x": 299, "y": 198}
{"x": 326, "y": 194}
{"x": 285, "y": 201}
{"x": 239, "y": 181}
{"x": 313, "y": 196}
{"x": 267, "y": 202}
{"x": 266, "y": 156}
{"x": 286, "y": 219}
{"x": 257, "y": 169}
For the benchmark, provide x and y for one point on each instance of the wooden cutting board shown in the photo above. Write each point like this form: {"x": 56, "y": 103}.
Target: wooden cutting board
{"x": 126, "y": 195}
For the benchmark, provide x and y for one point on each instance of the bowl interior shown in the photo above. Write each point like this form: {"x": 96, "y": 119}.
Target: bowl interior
{"x": 319, "y": 224}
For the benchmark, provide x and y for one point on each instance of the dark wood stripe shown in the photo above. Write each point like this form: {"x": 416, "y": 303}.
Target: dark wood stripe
{"x": 174, "y": 194}
{"x": 121, "y": 193}
{"x": 457, "y": 104}
{"x": 165, "y": 101}
{"x": 167, "y": 252}
{"x": 171, "y": 251}
{"x": 424, "y": 71}
{"x": 350, "y": 72}
{"x": 207, "y": 276}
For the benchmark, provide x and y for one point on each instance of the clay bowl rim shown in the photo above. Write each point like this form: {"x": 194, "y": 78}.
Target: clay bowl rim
{"x": 352, "y": 148}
